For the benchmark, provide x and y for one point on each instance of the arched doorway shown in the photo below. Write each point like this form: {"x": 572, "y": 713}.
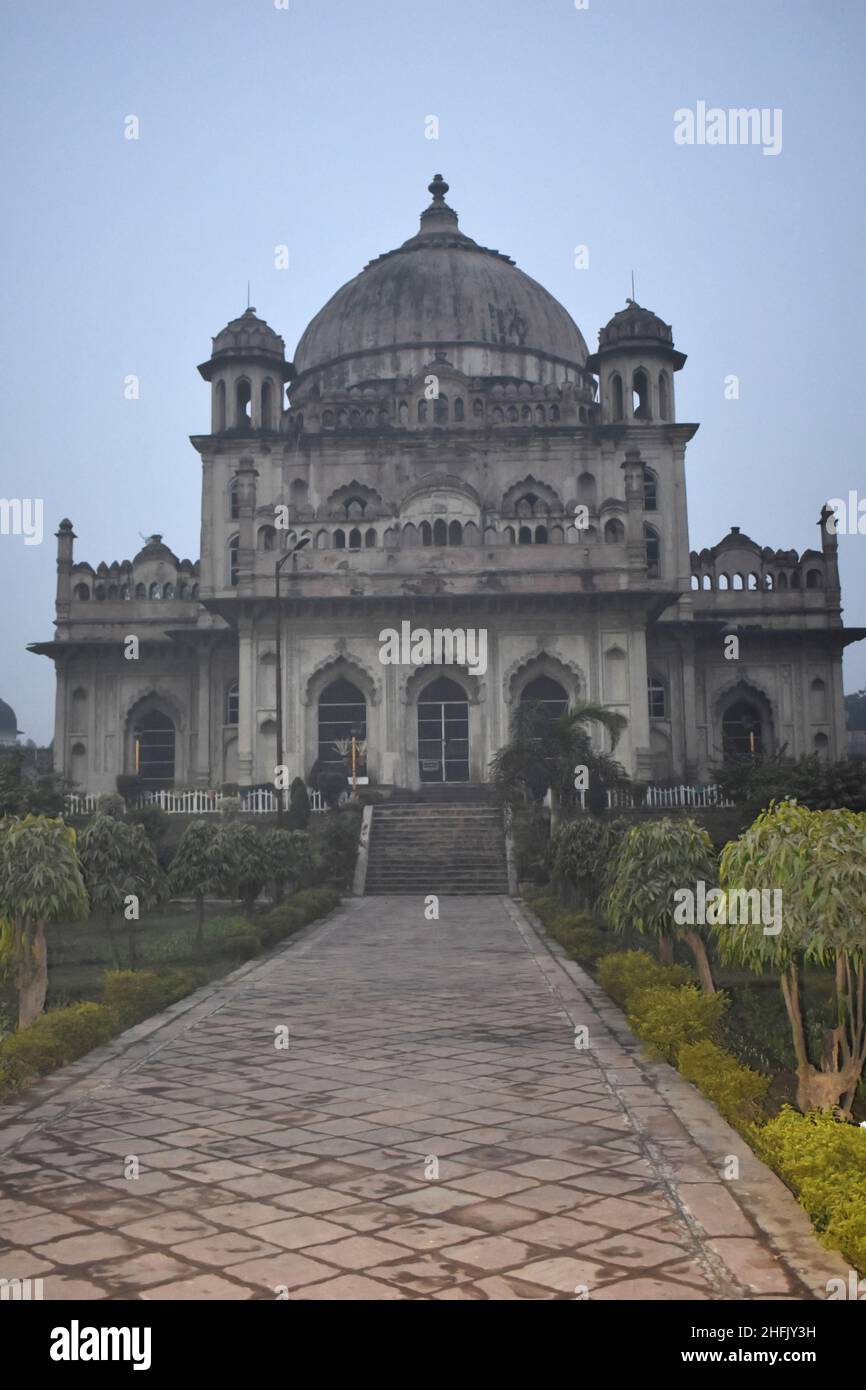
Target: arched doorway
{"x": 443, "y": 732}
{"x": 742, "y": 731}
{"x": 546, "y": 692}
{"x": 342, "y": 714}
{"x": 153, "y": 740}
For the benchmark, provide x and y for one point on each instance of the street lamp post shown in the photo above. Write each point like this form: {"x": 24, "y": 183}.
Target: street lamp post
{"x": 278, "y": 568}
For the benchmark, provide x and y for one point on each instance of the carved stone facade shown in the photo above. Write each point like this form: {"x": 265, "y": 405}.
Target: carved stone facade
{"x": 452, "y": 457}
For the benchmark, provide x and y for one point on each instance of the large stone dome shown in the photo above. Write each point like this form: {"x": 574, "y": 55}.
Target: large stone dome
{"x": 441, "y": 290}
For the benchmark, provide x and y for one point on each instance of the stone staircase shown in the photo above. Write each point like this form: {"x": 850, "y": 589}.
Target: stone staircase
{"x": 441, "y": 848}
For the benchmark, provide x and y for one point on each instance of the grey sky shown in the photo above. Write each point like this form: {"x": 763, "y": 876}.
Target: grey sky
{"x": 261, "y": 126}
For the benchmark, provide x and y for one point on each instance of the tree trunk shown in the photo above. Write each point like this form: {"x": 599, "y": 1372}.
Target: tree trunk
{"x": 31, "y": 975}
{"x": 199, "y": 925}
{"x": 699, "y": 951}
{"x": 666, "y": 949}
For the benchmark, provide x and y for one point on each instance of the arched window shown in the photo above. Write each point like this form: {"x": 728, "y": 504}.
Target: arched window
{"x": 355, "y": 538}
{"x": 440, "y": 410}
{"x": 696, "y": 583}
{"x": 184, "y": 591}
{"x": 554, "y": 414}
{"x": 342, "y": 715}
{"x": 443, "y": 732}
{"x": 234, "y": 500}
{"x": 513, "y": 414}
{"x": 112, "y": 591}
{"x": 82, "y": 592}
{"x": 664, "y": 396}
{"x": 403, "y": 413}
{"x": 508, "y": 535}
{"x": 737, "y": 582}
{"x": 155, "y": 591}
{"x": 153, "y": 750}
{"x": 220, "y": 401}
{"x": 752, "y": 582}
{"x": 339, "y": 539}
{"x": 540, "y": 416}
{"x": 327, "y": 419}
{"x": 795, "y": 580}
{"x": 440, "y": 532}
{"x": 425, "y": 531}
{"x": 354, "y": 508}
{"x": 524, "y": 535}
{"x": 541, "y": 535}
{"x": 641, "y": 396}
{"x": 548, "y": 693}
{"x": 458, "y": 409}
{"x": 768, "y": 583}
{"x": 267, "y": 538}
{"x": 526, "y": 414}
{"x": 234, "y": 561}
{"x": 724, "y": 582}
{"x": 168, "y": 591}
{"x": 267, "y": 406}
{"x": 243, "y": 405}
{"x": 707, "y": 582}
{"x": 99, "y": 591}
{"x": 477, "y": 409}
{"x": 422, "y": 412}
{"x": 587, "y": 491}
{"x": 455, "y": 533}
{"x": 298, "y": 495}
{"x": 653, "y": 552}
{"x": 821, "y": 745}
{"x": 782, "y": 581}
{"x": 650, "y": 491}
{"x": 657, "y": 698}
{"x": 617, "y": 403}
{"x": 742, "y": 731}
{"x": 370, "y": 538}
{"x": 233, "y": 704}
{"x": 194, "y": 592}
{"x": 614, "y": 531}
{"x": 140, "y": 591}
{"x": 813, "y": 579}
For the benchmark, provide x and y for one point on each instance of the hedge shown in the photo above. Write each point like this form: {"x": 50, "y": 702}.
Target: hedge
{"x": 624, "y": 973}
{"x": 55, "y": 1038}
{"x": 136, "y": 994}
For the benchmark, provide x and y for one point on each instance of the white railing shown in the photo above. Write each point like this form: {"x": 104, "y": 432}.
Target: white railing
{"x": 701, "y": 797}
{"x": 201, "y": 802}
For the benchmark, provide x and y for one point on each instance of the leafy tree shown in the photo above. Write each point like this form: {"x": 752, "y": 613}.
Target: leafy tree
{"x": 817, "y": 859}
{"x": 655, "y": 860}
{"x": 809, "y": 780}
{"x": 199, "y": 867}
{"x": 855, "y": 706}
{"x": 40, "y": 882}
{"x": 245, "y": 859}
{"x": 118, "y": 862}
{"x": 28, "y": 786}
{"x": 581, "y": 850}
{"x": 544, "y": 751}
{"x": 288, "y": 859}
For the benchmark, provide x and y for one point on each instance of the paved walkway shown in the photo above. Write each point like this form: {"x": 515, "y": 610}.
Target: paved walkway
{"x": 430, "y": 1131}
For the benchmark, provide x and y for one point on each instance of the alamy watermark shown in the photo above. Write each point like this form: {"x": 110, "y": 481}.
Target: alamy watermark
{"x": 739, "y": 125}
{"x": 22, "y": 516}
{"x": 719, "y": 907}
{"x": 438, "y": 646}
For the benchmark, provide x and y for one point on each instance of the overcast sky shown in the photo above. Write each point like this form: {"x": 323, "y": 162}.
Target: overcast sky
{"x": 307, "y": 126}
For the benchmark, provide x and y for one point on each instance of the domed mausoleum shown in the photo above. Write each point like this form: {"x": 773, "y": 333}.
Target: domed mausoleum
{"x": 8, "y": 726}
{"x": 442, "y": 455}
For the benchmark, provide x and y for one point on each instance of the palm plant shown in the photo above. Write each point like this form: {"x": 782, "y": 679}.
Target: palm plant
{"x": 545, "y": 750}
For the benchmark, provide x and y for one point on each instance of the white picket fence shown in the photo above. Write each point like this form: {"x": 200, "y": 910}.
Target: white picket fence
{"x": 652, "y": 798}
{"x": 260, "y": 802}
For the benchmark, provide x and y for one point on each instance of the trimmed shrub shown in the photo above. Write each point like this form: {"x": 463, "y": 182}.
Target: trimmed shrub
{"x": 735, "y": 1090}
{"x": 624, "y": 973}
{"x": 580, "y": 936}
{"x": 136, "y": 994}
{"x": 302, "y": 908}
{"x": 299, "y": 805}
{"x": 667, "y": 1017}
{"x": 824, "y": 1161}
{"x": 55, "y": 1038}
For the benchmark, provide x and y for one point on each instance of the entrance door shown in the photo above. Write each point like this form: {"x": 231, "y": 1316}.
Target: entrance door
{"x": 154, "y": 750}
{"x": 443, "y": 732}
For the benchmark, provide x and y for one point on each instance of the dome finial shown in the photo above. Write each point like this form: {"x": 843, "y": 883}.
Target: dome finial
{"x": 438, "y": 217}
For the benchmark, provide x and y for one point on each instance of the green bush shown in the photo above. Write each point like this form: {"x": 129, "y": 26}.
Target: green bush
{"x": 55, "y": 1038}
{"x": 668, "y": 1017}
{"x": 334, "y": 845}
{"x": 302, "y": 908}
{"x": 623, "y": 973}
{"x": 735, "y": 1090}
{"x": 580, "y": 936}
{"x": 824, "y": 1161}
{"x": 136, "y": 994}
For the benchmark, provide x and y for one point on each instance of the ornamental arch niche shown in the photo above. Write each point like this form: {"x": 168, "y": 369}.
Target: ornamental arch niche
{"x": 154, "y": 745}
{"x": 542, "y": 665}
{"x": 341, "y": 696}
{"x": 743, "y": 725}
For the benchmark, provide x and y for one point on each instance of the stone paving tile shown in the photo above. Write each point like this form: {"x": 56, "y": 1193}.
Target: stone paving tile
{"x": 557, "y": 1174}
